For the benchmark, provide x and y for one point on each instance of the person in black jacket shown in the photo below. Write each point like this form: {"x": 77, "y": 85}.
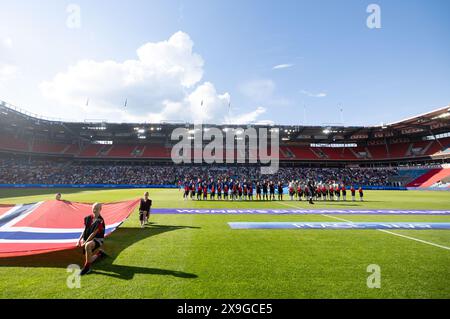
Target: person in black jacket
{"x": 311, "y": 191}
{"x": 144, "y": 209}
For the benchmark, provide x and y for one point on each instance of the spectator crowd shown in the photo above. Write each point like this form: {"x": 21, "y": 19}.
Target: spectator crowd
{"x": 48, "y": 172}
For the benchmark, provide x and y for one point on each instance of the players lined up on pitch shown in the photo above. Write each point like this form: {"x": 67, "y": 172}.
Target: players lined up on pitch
{"x": 266, "y": 190}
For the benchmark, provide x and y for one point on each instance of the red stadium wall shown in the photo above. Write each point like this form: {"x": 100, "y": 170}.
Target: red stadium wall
{"x": 287, "y": 153}
{"x": 430, "y": 178}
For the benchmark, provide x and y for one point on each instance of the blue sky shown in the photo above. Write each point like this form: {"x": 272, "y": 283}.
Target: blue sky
{"x": 226, "y": 52}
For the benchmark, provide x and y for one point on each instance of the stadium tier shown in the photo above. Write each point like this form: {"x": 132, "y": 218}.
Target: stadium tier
{"x": 421, "y": 139}
{"x": 399, "y": 151}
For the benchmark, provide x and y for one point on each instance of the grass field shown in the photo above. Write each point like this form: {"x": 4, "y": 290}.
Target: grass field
{"x": 199, "y": 256}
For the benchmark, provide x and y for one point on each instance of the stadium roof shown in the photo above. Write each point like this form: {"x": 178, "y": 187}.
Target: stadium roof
{"x": 432, "y": 119}
{"x": 431, "y": 123}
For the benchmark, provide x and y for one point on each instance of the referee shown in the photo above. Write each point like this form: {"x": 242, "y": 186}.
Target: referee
{"x": 144, "y": 209}
{"x": 312, "y": 188}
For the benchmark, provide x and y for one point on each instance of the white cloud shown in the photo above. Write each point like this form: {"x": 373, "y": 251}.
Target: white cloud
{"x": 162, "y": 84}
{"x": 7, "y": 43}
{"x": 8, "y": 70}
{"x": 310, "y": 94}
{"x": 245, "y": 118}
{"x": 282, "y": 66}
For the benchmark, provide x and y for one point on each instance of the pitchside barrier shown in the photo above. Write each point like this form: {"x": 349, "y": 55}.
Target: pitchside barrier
{"x": 285, "y": 189}
{"x": 83, "y": 186}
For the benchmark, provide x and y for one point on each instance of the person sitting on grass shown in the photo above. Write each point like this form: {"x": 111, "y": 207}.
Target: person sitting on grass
{"x": 92, "y": 238}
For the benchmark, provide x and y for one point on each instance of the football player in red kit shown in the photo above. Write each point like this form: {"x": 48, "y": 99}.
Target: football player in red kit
{"x": 213, "y": 191}
{"x": 225, "y": 191}
{"x": 291, "y": 191}
{"x": 344, "y": 192}
{"x": 299, "y": 192}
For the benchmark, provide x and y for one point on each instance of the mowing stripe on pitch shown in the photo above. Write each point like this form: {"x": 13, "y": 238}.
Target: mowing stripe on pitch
{"x": 389, "y": 232}
{"x": 298, "y": 211}
{"x": 399, "y": 235}
{"x": 341, "y": 225}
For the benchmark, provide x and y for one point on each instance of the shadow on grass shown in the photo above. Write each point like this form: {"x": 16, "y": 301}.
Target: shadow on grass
{"x": 114, "y": 245}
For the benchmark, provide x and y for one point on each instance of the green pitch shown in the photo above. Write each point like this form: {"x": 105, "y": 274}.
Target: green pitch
{"x": 193, "y": 256}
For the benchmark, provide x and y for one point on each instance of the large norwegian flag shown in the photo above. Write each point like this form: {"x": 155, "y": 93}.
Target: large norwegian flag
{"x": 43, "y": 227}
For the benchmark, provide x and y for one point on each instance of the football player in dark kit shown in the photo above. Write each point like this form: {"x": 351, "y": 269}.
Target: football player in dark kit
{"x": 353, "y": 191}
{"x": 258, "y": 191}
{"x": 192, "y": 186}
{"x": 240, "y": 190}
{"x": 144, "y": 209}
{"x": 344, "y": 193}
{"x": 186, "y": 190}
{"x": 199, "y": 190}
{"x": 213, "y": 190}
{"x": 225, "y": 190}
{"x": 250, "y": 191}
{"x": 280, "y": 191}
{"x": 264, "y": 187}
{"x": 92, "y": 237}
{"x": 245, "y": 189}
{"x": 337, "y": 191}
{"x": 272, "y": 190}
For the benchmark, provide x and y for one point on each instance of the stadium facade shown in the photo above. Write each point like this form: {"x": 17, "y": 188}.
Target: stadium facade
{"x": 422, "y": 140}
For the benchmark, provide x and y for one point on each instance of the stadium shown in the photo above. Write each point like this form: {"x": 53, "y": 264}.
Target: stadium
{"x": 202, "y": 256}
{"x": 224, "y": 154}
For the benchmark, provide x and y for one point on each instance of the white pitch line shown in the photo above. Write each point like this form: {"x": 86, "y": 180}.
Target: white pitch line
{"x": 395, "y": 234}
{"x": 385, "y": 231}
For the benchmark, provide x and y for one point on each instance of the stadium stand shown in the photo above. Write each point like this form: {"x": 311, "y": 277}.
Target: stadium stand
{"x": 338, "y": 153}
{"x": 300, "y": 152}
{"x": 399, "y": 150}
{"x": 419, "y": 140}
{"x": 10, "y": 142}
{"x": 377, "y": 152}
{"x": 123, "y": 151}
{"x": 48, "y": 148}
{"x": 156, "y": 151}
{"x": 92, "y": 150}
{"x": 20, "y": 170}
{"x": 73, "y": 149}
{"x": 430, "y": 177}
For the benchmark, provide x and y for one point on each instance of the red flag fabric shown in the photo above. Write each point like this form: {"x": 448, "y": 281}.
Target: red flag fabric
{"x": 37, "y": 228}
